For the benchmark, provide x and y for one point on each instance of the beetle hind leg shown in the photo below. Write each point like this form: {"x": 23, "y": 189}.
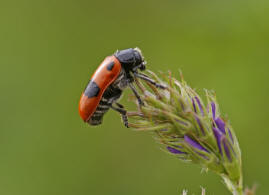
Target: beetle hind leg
{"x": 125, "y": 120}
{"x": 120, "y": 109}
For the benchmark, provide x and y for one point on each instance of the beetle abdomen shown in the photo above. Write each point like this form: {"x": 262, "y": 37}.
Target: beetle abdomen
{"x": 97, "y": 117}
{"x": 105, "y": 74}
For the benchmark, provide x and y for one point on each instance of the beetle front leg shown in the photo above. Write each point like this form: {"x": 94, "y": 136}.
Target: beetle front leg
{"x": 147, "y": 79}
{"x": 140, "y": 102}
{"x": 122, "y": 112}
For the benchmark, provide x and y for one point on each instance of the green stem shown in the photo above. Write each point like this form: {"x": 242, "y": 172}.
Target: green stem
{"x": 236, "y": 188}
{"x": 239, "y": 190}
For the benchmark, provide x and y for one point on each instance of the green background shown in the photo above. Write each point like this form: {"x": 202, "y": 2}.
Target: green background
{"x": 50, "y": 48}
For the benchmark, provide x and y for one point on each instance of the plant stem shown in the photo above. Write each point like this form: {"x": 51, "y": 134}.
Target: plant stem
{"x": 236, "y": 188}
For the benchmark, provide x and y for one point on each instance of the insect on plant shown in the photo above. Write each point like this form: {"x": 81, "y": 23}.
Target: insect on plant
{"x": 106, "y": 85}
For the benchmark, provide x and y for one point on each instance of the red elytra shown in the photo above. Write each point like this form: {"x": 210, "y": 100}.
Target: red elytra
{"x": 103, "y": 77}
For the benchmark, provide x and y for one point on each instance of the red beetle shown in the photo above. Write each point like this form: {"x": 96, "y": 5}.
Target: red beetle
{"x": 105, "y": 87}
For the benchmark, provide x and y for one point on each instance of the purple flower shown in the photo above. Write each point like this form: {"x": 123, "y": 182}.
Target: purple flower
{"x": 194, "y": 106}
{"x": 213, "y": 108}
{"x": 199, "y": 104}
{"x": 194, "y": 143}
{"x": 220, "y": 124}
{"x": 226, "y": 146}
{"x": 218, "y": 135}
{"x": 230, "y": 135}
{"x": 200, "y": 124}
{"x": 222, "y": 141}
{"x": 174, "y": 151}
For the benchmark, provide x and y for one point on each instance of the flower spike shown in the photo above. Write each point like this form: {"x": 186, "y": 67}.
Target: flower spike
{"x": 190, "y": 129}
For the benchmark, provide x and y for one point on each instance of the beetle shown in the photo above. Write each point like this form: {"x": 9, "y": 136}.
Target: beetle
{"x": 106, "y": 85}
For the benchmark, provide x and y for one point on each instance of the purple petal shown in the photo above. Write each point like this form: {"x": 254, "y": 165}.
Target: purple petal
{"x": 174, "y": 151}
{"x": 222, "y": 141}
{"x": 213, "y": 108}
{"x": 200, "y": 125}
{"x": 194, "y": 106}
{"x": 194, "y": 143}
{"x": 230, "y": 135}
{"x": 199, "y": 104}
{"x": 226, "y": 147}
{"x": 220, "y": 124}
{"x": 218, "y": 135}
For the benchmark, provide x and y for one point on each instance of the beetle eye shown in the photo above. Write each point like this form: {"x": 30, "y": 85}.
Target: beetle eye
{"x": 142, "y": 67}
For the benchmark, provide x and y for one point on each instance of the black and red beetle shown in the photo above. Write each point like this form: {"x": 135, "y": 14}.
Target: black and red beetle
{"x": 105, "y": 87}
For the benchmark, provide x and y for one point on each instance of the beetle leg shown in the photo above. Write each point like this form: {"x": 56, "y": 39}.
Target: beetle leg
{"x": 147, "y": 79}
{"x": 123, "y": 116}
{"x": 122, "y": 112}
{"x": 119, "y": 105}
{"x": 140, "y": 102}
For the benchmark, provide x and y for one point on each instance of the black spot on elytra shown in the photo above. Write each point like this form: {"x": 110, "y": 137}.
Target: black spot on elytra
{"x": 92, "y": 90}
{"x": 110, "y": 66}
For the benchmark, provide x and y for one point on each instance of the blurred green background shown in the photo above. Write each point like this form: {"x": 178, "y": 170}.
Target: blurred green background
{"x": 48, "y": 51}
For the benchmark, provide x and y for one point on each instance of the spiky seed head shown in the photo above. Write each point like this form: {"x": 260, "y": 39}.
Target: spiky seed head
{"x": 188, "y": 128}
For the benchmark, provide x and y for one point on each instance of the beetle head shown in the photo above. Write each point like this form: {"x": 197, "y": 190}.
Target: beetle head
{"x": 140, "y": 59}
{"x": 131, "y": 59}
